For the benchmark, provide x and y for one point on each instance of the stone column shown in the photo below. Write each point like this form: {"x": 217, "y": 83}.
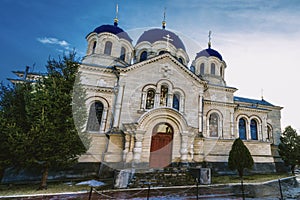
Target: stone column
{"x": 138, "y": 146}
{"x": 156, "y": 100}
{"x": 170, "y": 100}
{"x": 184, "y": 146}
{"x": 200, "y": 113}
{"x": 118, "y": 106}
{"x": 128, "y": 154}
{"x": 103, "y": 122}
{"x": 143, "y": 103}
{"x": 231, "y": 125}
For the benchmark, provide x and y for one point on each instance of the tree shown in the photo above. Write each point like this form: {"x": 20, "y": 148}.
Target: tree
{"x": 37, "y": 120}
{"x": 55, "y": 139}
{"x": 240, "y": 159}
{"x": 14, "y": 125}
{"x": 289, "y": 147}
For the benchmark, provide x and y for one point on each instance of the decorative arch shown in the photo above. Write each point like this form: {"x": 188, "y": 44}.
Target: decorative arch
{"x": 255, "y": 124}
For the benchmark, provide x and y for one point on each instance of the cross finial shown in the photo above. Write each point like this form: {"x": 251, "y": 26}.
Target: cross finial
{"x": 168, "y": 38}
{"x": 164, "y": 20}
{"x": 209, "y": 39}
{"x": 116, "y": 20}
{"x": 262, "y": 94}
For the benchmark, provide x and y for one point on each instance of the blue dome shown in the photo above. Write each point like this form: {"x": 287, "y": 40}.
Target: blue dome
{"x": 209, "y": 52}
{"x": 114, "y": 29}
{"x": 157, "y": 34}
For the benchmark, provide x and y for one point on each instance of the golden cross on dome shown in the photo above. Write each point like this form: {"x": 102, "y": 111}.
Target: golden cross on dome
{"x": 116, "y": 20}
{"x": 168, "y": 38}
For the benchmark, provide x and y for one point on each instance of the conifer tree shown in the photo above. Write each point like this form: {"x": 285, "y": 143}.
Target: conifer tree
{"x": 289, "y": 147}
{"x": 240, "y": 159}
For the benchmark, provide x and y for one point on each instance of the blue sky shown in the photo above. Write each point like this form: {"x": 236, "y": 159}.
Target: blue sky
{"x": 259, "y": 40}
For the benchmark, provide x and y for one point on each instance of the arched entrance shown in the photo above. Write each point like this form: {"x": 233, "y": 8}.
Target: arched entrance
{"x": 161, "y": 146}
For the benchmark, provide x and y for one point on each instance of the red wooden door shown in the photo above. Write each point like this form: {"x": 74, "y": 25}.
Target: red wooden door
{"x": 161, "y": 149}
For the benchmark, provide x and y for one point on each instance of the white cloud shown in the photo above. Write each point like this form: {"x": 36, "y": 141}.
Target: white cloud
{"x": 54, "y": 41}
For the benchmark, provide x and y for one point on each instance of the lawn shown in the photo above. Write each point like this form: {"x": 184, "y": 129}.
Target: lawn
{"x": 257, "y": 178}
{"x": 60, "y": 187}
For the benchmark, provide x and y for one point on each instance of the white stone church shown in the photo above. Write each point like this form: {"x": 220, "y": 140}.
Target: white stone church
{"x": 149, "y": 108}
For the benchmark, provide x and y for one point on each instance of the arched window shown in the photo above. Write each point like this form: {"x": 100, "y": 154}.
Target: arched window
{"x": 123, "y": 53}
{"x": 180, "y": 60}
{"x": 150, "y": 99}
{"x": 242, "y": 129}
{"x": 162, "y": 52}
{"x": 213, "y": 69}
{"x": 163, "y": 95}
{"x": 213, "y": 125}
{"x": 176, "y": 101}
{"x": 107, "y": 48}
{"x": 202, "y": 68}
{"x": 94, "y": 47}
{"x": 95, "y": 116}
{"x": 192, "y": 68}
{"x": 253, "y": 129}
{"x": 143, "y": 56}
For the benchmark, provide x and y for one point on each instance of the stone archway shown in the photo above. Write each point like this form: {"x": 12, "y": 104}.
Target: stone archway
{"x": 161, "y": 146}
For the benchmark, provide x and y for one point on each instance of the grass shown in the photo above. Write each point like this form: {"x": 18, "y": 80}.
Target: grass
{"x": 59, "y": 187}
{"x": 257, "y": 178}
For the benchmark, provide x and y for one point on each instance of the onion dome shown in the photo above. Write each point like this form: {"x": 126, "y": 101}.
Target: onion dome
{"x": 157, "y": 34}
{"x": 114, "y": 29}
{"x": 209, "y": 52}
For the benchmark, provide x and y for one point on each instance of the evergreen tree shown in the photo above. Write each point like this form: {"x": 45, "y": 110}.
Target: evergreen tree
{"x": 240, "y": 159}
{"x": 14, "y": 126}
{"x": 289, "y": 147}
{"x": 55, "y": 139}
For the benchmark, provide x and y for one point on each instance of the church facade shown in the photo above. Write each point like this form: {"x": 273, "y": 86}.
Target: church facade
{"x": 149, "y": 108}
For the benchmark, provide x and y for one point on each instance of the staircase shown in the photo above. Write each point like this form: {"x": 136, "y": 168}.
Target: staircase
{"x": 175, "y": 176}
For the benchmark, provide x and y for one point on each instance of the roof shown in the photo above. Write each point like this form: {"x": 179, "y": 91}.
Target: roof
{"x": 158, "y": 34}
{"x": 209, "y": 52}
{"x": 114, "y": 29}
{"x": 252, "y": 101}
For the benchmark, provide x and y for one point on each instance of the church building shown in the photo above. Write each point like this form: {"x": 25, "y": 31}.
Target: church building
{"x": 149, "y": 108}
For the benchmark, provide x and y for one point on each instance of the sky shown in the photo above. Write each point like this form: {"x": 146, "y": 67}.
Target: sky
{"x": 259, "y": 40}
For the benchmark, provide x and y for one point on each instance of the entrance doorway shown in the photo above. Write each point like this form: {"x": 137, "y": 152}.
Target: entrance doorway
{"x": 161, "y": 146}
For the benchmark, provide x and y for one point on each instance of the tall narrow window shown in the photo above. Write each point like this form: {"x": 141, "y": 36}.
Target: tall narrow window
{"x": 94, "y": 47}
{"x": 150, "y": 99}
{"x": 242, "y": 129}
{"x": 221, "y": 71}
{"x": 107, "y": 48}
{"x": 163, "y": 95}
{"x": 213, "y": 69}
{"x": 176, "y": 101}
{"x": 213, "y": 125}
{"x": 123, "y": 53}
{"x": 202, "y": 68}
{"x": 95, "y": 116}
{"x": 143, "y": 56}
{"x": 192, "y": 69}
{"x": 253, "y": 129}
